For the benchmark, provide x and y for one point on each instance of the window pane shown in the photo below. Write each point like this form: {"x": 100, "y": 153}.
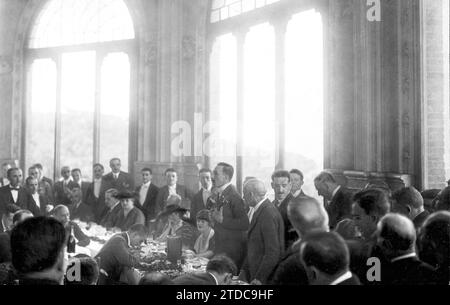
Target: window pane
{"x": 304, "y": 96}
{"x": 259, "y": 103}
{"x": 115, "y": 101}
{"x": 77, "y": 111}
{"x": 41, "y": 125}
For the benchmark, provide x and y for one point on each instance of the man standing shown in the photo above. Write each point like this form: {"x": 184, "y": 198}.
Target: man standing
{"x": 228, "y": 213}
{"x": 62, "y": 188}
{"x": 39, "y": 204}
{"x": 44, "y": 188}
{"x": 41, "y": 173}
{"x": 409, "y": 202}
{"x": 297, "y": 183}
{"x": 95, "y": 197}
{"x": 172, "y": 187}
{"x": 339, "y": 198}
{"x": 118, "y": 179}
{"x": 78, "y": 182}
{"x": 78, "y": 209}
{"x": 14, "y": 193}
{"x": 199, "y": 201}
{"x": 147, "y": 192}
{"x": 265, "y": 237}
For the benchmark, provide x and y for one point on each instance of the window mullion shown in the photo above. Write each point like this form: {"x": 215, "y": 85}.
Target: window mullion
{"x": 100, "y": 56}
{"x": 58, "y": 123}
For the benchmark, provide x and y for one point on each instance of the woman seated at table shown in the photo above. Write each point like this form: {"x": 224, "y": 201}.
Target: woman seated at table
{"x": 176, "y": 225}
{"x": 205, "y": 243}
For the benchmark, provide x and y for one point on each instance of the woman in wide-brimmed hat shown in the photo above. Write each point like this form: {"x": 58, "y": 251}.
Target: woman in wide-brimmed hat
{"x": 129, "y": 215}
{"x": 176, "y": 225}
{"x": 205, "y": 243}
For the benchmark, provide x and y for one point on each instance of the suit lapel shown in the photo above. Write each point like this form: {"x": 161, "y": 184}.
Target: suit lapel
{"x": 256, "y": 215}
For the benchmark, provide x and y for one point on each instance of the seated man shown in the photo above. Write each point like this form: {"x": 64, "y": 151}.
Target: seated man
{"x": 39, "y": 204}
{"x": 62, "y": 214}
{"x": 434, "y": 244}
{"x": 219, "y": 271}
{"x": 78, "y": 182}
{"x": 7, "y": 218}
{"x": 37, "y": 247}
{"x": 326, "y": 258}
{"x": 172, "y": 187}
{"x": 113, "y": 209}
{"x": 115, "y": 257}
{"x": 5, "y": 238}
{"x": 129, "y": 214}
{"x": 409, "y": 202}
{"x": 78, "y": 209}
{"x": 155, "y": 279}
{"x": 87, "y": 268}
{"x": 177, "y": 225}
{"x": 397, "y": 240}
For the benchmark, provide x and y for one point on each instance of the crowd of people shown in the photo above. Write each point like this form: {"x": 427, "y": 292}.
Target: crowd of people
{"x": 364, "y": 237}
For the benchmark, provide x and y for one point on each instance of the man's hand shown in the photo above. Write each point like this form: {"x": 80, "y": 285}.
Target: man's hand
{"x": 217, "y": 215}
{"x": 49, "y": 208}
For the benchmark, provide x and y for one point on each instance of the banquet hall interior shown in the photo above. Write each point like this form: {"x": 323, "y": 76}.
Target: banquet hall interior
{"x": 342, "y": 94}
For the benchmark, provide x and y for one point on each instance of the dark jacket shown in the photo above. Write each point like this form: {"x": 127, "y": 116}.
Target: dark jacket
{"x": 265, "y": 243}
{"x": 197, "y": 205}
{"x": 163, "y": 193}
{"x": 290, "y": 235}
{"x": 97, "y": 205}
{"x": 420, "y": 219}
{"x": 231, "y": 234}
{"x": 340, "y": 207}
{"x": 289, "y": 270}
{"x": 409, "y": 271}
{"x": 201, "y": 279}
{"x": 62, "y": 193}
{"x": 5, "y": 247}
{"x": 149, "y": 206}
{"x": 135, "y": 216}
{"x": 38, "y": 210}
{"x": 84, "y": 188}
{"x": 111, "y": 217}
{"x": 6, "y": 198}
{"x": 83, "y": 212}
{"x": 123, "y": 182}
{"x": 114, "y": 257}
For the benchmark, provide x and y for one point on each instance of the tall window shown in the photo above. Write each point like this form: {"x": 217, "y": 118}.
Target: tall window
{"x": 266, "y": 88}
{"x": 79, "y": 84}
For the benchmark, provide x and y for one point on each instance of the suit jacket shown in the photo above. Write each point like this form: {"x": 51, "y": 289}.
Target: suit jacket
{"x": 6, "y": 198}
{"x": 62, "y": 193}
{"x": 231, "y": 234}
{"x": 111, "y": 217}
{"x": 340, "y": 206}
{"x": 38, "y": 211}
{"x": 409, "y": 271}
{"x": 353, "y": 281}
{"x": 83, "y": 212}
{"x": 114, "y": 257}
{"x": 197, "y": 205}
{"x": 135, "y": 216}
{"x": 97, "y": 205}
{"x": 5, "y": 247}
{"x": 420, "y": 219}
{"x": 149, "y": 206}
{"x": 201, "y": 279}
{"x": 84, "y": 188}
{"x": 265, "y": 243}
{"x": 289, "y": 270}
{"x": 163, "y": 193}
{"x": 290, "y": 235}
{"x": 123, "y": 182}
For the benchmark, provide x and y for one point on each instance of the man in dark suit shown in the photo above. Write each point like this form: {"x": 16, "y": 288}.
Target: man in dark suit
{"x": 339, "y": 198}
{"x": 147, "y": 194}
{"x": 173, "y": 188}
{"x": 44, "y": 188}
{"x": 306, "y": 215}
{"x": 77, "y": 181}
{"x": 116, "y": 259}
{"x": 265, "y": 237}
{"x": 200, "y": 200}
{"x": 397, "y": 240}
{"x": 78, "y": 209}
{"x": 62, "y": 188}
{"x": 62, "y": 214}
{"x": 118, "y": 179}
{"x": 41, "y": 174}
{"x": 409, "y": 202}
{"x": 229, "y": 217}
{"x": 326, "y": 258}
{"x": 296, "y": 179}
{"x": 219, "y": 271}
{"x": 14, "y": 193}
{"x": 281, "y": 184}
{"x": 113, "y": 209}
{"x": 5, "y": 238}
{"x": 95, "y": 197}
{"x": 39, "y": 204}
{"x": 6, "y": 223}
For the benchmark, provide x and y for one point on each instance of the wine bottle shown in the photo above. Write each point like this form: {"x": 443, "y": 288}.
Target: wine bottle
{"x": 71, "y": 242}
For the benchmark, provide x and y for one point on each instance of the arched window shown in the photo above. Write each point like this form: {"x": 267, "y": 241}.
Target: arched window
{"x": 266, "y": 87}
{"x": 79, "y": 66}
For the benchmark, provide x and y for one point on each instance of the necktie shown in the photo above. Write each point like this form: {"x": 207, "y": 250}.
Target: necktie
{"x": 250, "y": 213}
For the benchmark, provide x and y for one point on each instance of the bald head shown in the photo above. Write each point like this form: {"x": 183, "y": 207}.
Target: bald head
{"x": 396, "y": 235}
{"x": 307, "y": 215}
{"x": 254, "y": 191}
{"x": 62, "y": 214}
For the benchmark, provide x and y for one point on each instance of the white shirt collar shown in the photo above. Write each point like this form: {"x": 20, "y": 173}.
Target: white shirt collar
{"x": 342, "y": 278}
{"x": 223, "y": 187}
{"x": 335, "y": 192}
{"x": 208, "y": 189}
{"x": 297, "y": 193}
{"x": 112, "y": 208}
{"x": 147, "y": 184}
{"x": 97, "y": 180}
{"x": 128, "y": 239}
{"x": 403, "y": 257}
{"x": 215, "y": 279}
